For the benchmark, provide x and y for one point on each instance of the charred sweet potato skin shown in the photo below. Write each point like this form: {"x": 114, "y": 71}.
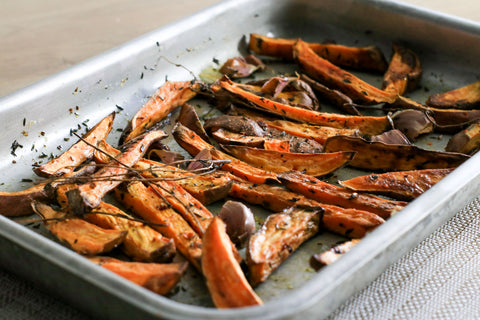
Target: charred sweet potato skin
{"x": 467, "y": 97}
{"x": 316, "y": 164}
{"x": 365, "y": 58}
{"x": 334, "y": 77}
{"x": 403, "y": 185}
{"x": 383, "y": 157}
{"x": 226, "y": 282}
{"x": 15, "y": 204}
{"x": 466, "y": 141}
{"x": 330, "y": 256}
{"x": 327, "y": 193}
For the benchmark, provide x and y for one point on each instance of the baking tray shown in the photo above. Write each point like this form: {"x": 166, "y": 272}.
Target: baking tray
{"x": 40, "y": 116}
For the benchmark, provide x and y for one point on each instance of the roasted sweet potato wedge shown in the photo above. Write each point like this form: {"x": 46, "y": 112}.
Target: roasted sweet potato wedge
{"x": 192, "y": 210}
{"x": 302, "y": 130}
{"x": 79, "y": 152}
{"x": 142, "y": 243}
{"x": 467, "y": 97}
{"x": 226, "y": 282}
{"x": 363, "y": 58}
{"x": 89, "y": 195}
{"x": 194, "y": 144}
{"x": 334, "y": 77}
{"x": 14, "y": 204}
{"x": 404, "y": 71}
{"x": 366, "y": 125}
{"x": 388, "y": 157}
{"x": 330, "y": 194}
{"x": 317, "y": 261}
{"x": 280, "y": 235}
{"x": 466, "y": 141}
{"x": 315, "y": 164}
{"x": 168, "y": 97}
{"x": 346, "y": 222}
{"x": 403, "y": 185}
{"x": 157, "y": 277}
{"x": 146, "y": 203}
{"x": 83, "y": 237}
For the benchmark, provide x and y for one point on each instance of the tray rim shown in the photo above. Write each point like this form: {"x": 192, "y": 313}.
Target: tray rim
{"x": 24, "y": 239}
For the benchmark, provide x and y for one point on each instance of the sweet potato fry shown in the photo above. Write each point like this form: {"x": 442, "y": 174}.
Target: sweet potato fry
{"x": 146, "y": 203}
{"x": 363, "y": 58}
{"x": 467, "y": 97}
{"x": 83, "y": 237}
{"x": 181, "y": 201}
{"x": 315, "y": 164}
{"x": 404, "y": 71}
{"x": 325, "y": 258}
{"x": 280, "y": 235}
{"x": 346, "y": 222}
{"x": 388, "y": 157}
{"x": 157, "y": 277}
{"x": 367, "y": 125}
{"x": 334, "y": 77}
{"x": 14, "y": 204}
{"x": 303, "y": 130}
{"x": 194, "y": 144}
{"x": 466, "y": 141}
{"x": 225, "y": 279}
{"x": 142, "y": 243}
{"x": 330, "y": 194}
{"x": 165, "y": 99}
{"x": 79, "y": 152}
{"x": 402, "y": 185}
{"x": 89, "y": 195}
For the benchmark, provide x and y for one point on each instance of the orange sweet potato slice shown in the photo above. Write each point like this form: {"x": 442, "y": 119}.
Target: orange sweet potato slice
{"x": 193, "y": 144}
{"x": 403, "y": 185}
{"x": 168, "y": 97}
{"x": 142, "y": 243}
{"x": 14, "y": 204}
{"x": 226, "y": 282}
{"x": 467, "y": 97}
{"x": 330, "y": 256}
{"x": 334, "y": 77}
{"x": 280, "y": 235}
{"x": 303, "y": 130}
{"x": 365, "y": 124}
{"x": 328, "y": 193}
{"x": 346, "y": 222}
{"x": 315, "y": 164}
{"x": 192, "y": 210}
{"x": 404, "y": 71}
{"x": 364, "y": 58}
{"x": 79, "y": 152}
{"x": 388, "y": 157}
{"x": 89, "y": 195}
{"x": 146, "y": 203}
{"x": 160, "y": 278}
{"x": 83, "y": 237}
{"x": 466, "y": 141}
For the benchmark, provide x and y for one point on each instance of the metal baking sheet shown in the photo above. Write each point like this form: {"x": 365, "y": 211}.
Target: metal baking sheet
{"x": 40, "y": 117}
